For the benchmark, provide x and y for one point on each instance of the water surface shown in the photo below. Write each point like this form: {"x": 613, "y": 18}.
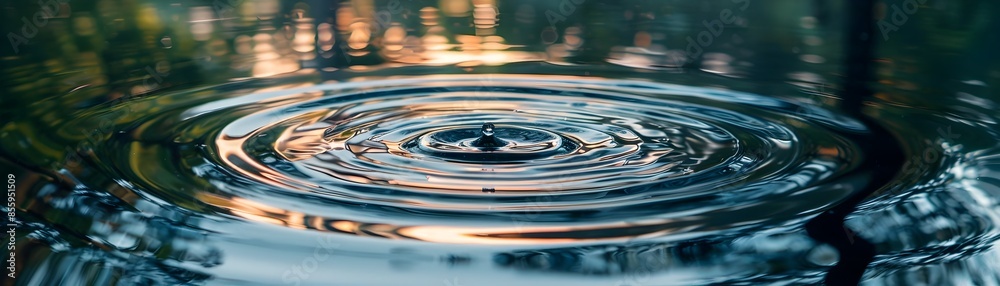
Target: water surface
{"x": 267, "y": 143}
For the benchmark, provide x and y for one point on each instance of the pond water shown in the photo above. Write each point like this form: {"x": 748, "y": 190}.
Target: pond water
{"x": 487, "y": 142}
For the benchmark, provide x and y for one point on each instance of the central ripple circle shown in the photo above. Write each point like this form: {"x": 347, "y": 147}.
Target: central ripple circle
{"x": 520, "y": 140}
{"x": 498, "y": 145}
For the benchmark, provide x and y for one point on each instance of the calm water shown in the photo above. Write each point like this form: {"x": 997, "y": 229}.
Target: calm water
{"x": 501, "y": 143}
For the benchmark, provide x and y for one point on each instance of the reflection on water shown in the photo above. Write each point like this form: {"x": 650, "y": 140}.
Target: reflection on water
{"x": 634, "y": 143}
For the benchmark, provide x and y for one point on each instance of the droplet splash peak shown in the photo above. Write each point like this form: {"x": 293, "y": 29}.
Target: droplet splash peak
{"x": 487, "y": 141}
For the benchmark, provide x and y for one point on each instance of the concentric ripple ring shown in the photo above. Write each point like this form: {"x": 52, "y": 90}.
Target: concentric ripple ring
{"x": 574, "y": 157}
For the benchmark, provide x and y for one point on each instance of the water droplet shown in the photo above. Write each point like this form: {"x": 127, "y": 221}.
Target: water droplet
{"x": 488, "y": 129}
{"x": 486, "y": 139}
